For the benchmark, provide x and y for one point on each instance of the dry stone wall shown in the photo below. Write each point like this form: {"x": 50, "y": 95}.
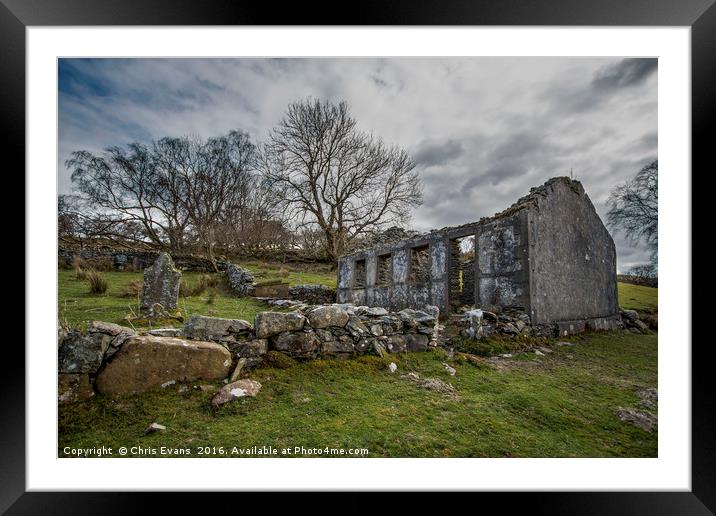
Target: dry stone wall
{"x": 112, "y": 359}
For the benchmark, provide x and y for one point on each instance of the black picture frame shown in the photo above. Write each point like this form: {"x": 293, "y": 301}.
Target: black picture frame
{"x": 700, "y": 15}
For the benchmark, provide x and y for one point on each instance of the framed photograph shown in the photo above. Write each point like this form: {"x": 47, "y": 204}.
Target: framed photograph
{"x": 417, "y": 253}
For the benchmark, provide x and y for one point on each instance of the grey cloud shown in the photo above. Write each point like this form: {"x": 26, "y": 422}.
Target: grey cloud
{"x": 627, "y": 72}
{"x": 575, "y": 96}
{"x": 438, "y": 153}
{"x": 483, "y": 130}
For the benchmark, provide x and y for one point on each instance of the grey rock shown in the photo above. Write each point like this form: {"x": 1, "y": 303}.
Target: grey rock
{"x": 640, "y": 325}
{"x": 365, "y": 345}
{"x": 161, "y": 285}
{"x": 356, "y": 327}
{"x": 639, "y": 418}
{"x": 268, "y": 324}
{"x": 412, "y": 318}
{"x": 236, "y": 390}
{"x": 200, "y": 327}
{"x": 337, "y": 347}
{"x": 296, "y": 344}
{"x": 154, "y": 427}
{"x": 329, "y": 315}
{"x": 510, "y": 329}
{"x": 253, "y": 351}
{"x": 379, "y": 349}
{"x": 416, "y": 342}
{"x": 249, "y": 348}
{"x": 375, "y": 311}
{"x": 78, "y": 353}
{"x": 166, "y": 332}
{"x": 397, "y": 343}
{"x": 376, "y": 329}
{"x": 240, "y": 280}
{"x": 631, "y": 315}
{"x": 237, "y": 370}
{"x": 108, "y": 328}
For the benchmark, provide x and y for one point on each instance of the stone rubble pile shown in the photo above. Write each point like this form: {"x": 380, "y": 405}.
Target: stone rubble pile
{"x": 632, "y": 322}
{"x": 480, "y": 324}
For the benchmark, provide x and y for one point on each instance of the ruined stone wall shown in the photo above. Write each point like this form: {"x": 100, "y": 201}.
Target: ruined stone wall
{"x": 128, "y": 260}
{"x": 548, "y": 254}
{"x": 572, "y": 256}
{"x": 503, "y": 264}
{"x": 418, "y": 275}
{"x": 425, "y": 269}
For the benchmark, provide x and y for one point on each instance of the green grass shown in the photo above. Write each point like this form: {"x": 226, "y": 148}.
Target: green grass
{"x": 559, "y": 405}
{"x": 638, "y": 297}
{"x": 76, "y": 306}
{"x": 295, "y": 274}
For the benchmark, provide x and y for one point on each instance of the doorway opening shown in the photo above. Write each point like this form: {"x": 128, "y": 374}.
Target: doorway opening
{"x": 462, "y": 272}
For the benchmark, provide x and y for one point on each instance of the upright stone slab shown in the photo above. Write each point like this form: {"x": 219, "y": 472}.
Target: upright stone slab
{"x": 161, "y": 284}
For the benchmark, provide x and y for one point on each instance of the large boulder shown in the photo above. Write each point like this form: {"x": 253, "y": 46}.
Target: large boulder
{"x": 329, "y": 315}
{"x": 161, "y": 285}
{"x": 268, "y": 324}
{"x": 200, "y": 327}
{"x": 147, "y": 362}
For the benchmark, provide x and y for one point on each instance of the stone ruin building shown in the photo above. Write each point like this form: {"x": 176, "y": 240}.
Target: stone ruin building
{"x": 549, "y": 255}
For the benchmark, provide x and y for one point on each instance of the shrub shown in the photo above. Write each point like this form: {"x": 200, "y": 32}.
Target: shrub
{"x": 98, "y": 285}
{"x": 78, "y": 263}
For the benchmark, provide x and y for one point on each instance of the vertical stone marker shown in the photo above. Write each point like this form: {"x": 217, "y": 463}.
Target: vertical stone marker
{"x": 161, "y": 285}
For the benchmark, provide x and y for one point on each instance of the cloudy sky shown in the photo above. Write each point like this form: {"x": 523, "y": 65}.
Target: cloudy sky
{"x": 482, "y": 130}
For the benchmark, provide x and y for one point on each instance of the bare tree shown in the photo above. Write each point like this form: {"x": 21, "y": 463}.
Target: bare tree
{"x": 174, "y": 192}
{"x": 119, "y": 189}
{"x": 633, "y": 208}
{"x": 334, "y": 176}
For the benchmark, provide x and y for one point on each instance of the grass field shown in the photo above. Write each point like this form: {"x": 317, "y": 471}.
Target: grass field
{"x": 562, "y": 404}
{"x": 559, "y": 405}
{"x": 638, "y": 297}
{"x": 77, "y": 306}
